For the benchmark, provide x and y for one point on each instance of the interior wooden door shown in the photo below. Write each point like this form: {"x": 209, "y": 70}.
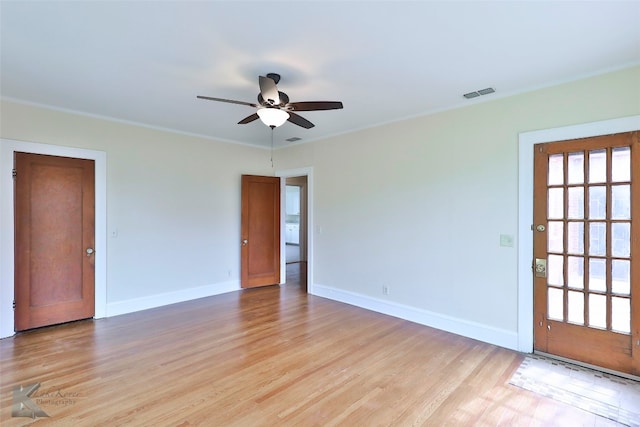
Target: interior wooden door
{"x": 587, "y": 250}
{"x": 260, "y": 253}
{"x": 54, "y": 240}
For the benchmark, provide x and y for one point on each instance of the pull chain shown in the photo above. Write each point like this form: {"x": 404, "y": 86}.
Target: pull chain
{"x": 272, "y": 128}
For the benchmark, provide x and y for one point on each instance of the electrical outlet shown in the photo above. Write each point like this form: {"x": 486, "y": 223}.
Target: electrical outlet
{"x": 385, "y": 290}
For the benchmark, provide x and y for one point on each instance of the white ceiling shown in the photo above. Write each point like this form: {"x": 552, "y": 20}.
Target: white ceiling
{"x": 145, "y": 61}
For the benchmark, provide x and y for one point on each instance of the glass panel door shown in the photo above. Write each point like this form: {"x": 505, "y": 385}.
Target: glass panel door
{"x": 586, "y": 200}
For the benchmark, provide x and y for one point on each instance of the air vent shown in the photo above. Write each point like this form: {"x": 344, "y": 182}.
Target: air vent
{"x": 476, "y": 94}
{"x": 293, "y": 139}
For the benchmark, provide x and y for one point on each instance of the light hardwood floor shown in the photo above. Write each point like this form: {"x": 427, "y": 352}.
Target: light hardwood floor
{"x": 268, "y": 357}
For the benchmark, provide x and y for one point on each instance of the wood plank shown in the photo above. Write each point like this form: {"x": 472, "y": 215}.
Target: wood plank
{"x": 266, "y": 356}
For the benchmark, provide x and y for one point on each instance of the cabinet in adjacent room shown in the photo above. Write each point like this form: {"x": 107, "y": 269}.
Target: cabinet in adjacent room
{"x": 292, "y": 234}
{"x": 292, "y": 200}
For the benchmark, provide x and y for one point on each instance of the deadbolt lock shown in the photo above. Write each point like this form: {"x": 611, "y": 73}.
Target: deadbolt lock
{"x": 540, "y": 227}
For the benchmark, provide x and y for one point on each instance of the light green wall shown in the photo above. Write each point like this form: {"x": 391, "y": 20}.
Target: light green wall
{"x": 174, "y": 199}
{"x": 419, "y": 205}
{"x": 416, "y": 205}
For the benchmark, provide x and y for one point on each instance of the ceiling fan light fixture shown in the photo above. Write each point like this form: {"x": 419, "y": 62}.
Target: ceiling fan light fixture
{"x": 273, "y": 117}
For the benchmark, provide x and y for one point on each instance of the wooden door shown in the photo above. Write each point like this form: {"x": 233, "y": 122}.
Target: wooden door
{"x": 260, "y": 253}
{"x": 54, "y": 240}
{"x": 587, "y": 232}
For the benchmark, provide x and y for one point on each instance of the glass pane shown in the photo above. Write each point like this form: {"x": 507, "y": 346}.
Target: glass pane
{"x": 597, "y": 202}
{"x": 576, "y": 203}
{"x": 621, "y": 239}
{"x": 575, "y": 168}
{"x": 555, "y": 236}
{"x": 620, "y": 276}
{"x": 575, "y": 238}
{"x": 575, "y": 313}
{"x": 555, "y": 270}
{"x": 555, "y": 305}
{"x": 598, "y": 238}
{"x": 555, "y": 205}
{"x": 621, "y": 202}
{"x": 621, "y": 314}
{"x": 598, "y": 166}
{"x": 575, "y": 272}
{"x": 556, "y": 169}
{"x": 621, "y": 164}
{"x": 597, "y": 275}
{"x": 598, "y": 311}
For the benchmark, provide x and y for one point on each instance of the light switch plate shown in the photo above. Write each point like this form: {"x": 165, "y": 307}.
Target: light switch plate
{"x": 506, "y": 240}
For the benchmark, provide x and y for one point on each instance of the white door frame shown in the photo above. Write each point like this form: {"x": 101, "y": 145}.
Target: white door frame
{"x": 290, "y": 173}
{"x": 525, "y": 207}
{"x": 7, "y": 148}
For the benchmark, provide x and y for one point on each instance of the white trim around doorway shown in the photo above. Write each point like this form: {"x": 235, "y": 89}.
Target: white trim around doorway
{"x": 7, "y": 148}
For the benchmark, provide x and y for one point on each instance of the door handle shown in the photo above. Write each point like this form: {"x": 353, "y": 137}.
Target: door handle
{"x": 244, "y": 242}
{"x": 89, "y": 251}
{"x": 541, "y": 267}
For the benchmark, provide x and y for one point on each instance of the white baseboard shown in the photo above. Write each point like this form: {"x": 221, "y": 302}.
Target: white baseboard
{"x": 478, "y": 331}
{"x": 153, "y": 301}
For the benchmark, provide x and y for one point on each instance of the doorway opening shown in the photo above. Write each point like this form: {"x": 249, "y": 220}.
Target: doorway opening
{"x": 7, "y": 241}
{"x": 527, "y": 141}
{"x": 54, "y": 240}
{"x": 296, "y": 230}
{"x": 585, "y": 207}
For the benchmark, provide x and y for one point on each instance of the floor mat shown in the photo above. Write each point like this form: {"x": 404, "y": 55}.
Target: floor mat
{"x": 606, "y": 395}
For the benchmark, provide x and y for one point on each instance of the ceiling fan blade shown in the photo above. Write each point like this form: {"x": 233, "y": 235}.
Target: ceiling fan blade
{"x": 299, "y": 120}
{"x": 315, "y": 105}
{"x": 248, "y": 119}
{"x": 269, "y": 90}
{"x": 230, "y": 101}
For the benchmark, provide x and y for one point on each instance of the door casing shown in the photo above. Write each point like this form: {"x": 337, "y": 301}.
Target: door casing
{"x": 7, "y": 148}
{"x": 526, "y": 142}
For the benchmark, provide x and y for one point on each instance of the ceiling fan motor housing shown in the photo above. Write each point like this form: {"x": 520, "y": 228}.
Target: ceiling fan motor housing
{"x": 274, "y": 76}
{"x": 284, "y": 100}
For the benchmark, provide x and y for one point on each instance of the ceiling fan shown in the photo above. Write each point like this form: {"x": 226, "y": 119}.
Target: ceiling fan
{"x": 274, "y": 107}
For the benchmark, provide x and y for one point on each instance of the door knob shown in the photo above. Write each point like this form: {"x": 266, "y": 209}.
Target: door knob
{"x": 89, "y": 251}
{"x": 244, "y": 242}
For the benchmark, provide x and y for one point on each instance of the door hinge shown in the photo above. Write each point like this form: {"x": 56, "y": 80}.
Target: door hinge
{"x": 14, "y": 304}
{"x": 14, "y": 173}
